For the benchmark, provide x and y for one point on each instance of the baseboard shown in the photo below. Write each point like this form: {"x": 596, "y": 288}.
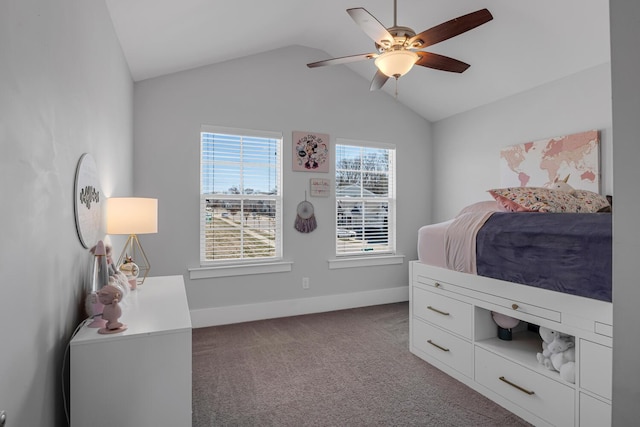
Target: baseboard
{"x": 215, "y": 316}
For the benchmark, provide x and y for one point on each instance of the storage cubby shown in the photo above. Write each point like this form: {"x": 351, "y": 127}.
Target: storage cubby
{"x": 522, "y": 348}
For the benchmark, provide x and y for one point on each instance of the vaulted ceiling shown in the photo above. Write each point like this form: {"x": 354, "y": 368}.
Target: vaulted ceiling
{"x": 527, "y": 44}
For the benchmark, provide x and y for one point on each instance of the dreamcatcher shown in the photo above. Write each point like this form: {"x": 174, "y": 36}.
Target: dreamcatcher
{"x": 305, "y": 219}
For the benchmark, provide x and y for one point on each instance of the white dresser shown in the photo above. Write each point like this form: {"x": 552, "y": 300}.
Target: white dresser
{"x": 142, "y": 376}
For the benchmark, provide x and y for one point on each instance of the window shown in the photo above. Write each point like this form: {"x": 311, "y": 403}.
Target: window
{"x": 365, "y": 198}
{"x": 240, "y": 195}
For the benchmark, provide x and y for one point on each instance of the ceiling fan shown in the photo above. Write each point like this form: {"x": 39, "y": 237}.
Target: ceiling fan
{"x": 398, "y": 48}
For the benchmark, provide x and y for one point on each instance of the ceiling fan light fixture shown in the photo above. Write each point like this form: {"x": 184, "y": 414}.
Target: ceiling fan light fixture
{"x": 396, "y": 63}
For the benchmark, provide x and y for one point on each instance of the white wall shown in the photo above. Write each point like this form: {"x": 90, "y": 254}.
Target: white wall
{"x": 467, "y": 146}
{"x": 625, "y": 65}
{"x": 65, "y": 89}
{"x": 272, "y": 91}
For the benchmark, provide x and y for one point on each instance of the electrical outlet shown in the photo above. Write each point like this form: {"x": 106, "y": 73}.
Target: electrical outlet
{"x": 305, "y": 283}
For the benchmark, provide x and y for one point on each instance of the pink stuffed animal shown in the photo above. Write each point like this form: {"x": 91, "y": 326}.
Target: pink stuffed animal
{"x": 110, "y": 296}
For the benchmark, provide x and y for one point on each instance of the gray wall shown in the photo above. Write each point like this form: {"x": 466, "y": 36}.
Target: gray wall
{"x": 625, "y": 69}
{"x": 65, "y": 89}
{"x": 272, "y": 91}
{"x": 467, "y": 146}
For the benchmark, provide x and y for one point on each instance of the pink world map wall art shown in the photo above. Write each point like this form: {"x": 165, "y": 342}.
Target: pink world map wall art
{"x": 535, "y": 164}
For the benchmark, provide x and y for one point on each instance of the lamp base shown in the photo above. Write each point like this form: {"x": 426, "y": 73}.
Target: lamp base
{"x": 133, "y": 249}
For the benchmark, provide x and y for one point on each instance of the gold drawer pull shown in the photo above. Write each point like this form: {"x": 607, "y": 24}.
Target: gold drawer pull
{"x": 515, "y": 306}
{"x": 522, "y": 389}
{"x": 444, "y": 313}
{"x": 437, "y": 346}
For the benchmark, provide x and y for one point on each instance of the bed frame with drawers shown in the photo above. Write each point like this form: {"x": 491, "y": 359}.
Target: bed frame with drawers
{"x": 451, "y": 328}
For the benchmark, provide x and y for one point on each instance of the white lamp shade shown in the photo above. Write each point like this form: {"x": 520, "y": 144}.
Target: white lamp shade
{"x": 132, "y": 215}
{"x": 396, "y": 63}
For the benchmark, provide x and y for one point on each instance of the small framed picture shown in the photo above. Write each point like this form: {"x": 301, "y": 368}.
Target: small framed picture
{"x": 310, "y": 152}
{"x": 320, "y": 187}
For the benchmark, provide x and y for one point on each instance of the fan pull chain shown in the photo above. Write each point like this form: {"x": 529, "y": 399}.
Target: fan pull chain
{"x": 396, "y": 88}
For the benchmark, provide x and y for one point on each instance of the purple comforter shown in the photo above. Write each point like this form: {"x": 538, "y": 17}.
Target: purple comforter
{"x": 564, "y": 252}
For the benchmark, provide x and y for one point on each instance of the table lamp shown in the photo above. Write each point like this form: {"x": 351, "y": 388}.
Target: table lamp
{"x": 133, "y": 216}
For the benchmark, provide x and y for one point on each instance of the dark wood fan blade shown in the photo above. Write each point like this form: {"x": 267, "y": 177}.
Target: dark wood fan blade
{"x": 370, "y": 25}
{"x": 452, "y": 28}
{"x": 440, "y": 62}
{"x": 342, "y": 60}
{"x": 378, "y": 81}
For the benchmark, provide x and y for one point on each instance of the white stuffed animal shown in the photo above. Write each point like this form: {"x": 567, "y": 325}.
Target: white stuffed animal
{"x": 564, "y": 363}
{"x": 544, "y": 358}
{"x": 568, "y": 372}
{"x": 558, "y": 353}
{"x": 561, "y": 185}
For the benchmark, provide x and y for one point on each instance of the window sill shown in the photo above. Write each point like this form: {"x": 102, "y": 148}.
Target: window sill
{"x": 239, "y": 270}
{"x": 365, "y": 261}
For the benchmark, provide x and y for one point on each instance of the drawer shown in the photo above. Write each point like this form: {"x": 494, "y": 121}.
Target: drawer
{"x": 448, "y": 313}
{"x": 448, "y": 349}
{"x": 539, "y": 394}
{"x": 493, "y": 298}
{"x": 595, "y": 364}
{"x": 594, "y": 412}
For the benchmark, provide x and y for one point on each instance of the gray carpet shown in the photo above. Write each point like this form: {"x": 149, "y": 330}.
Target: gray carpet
{"x": 343, "y": 368}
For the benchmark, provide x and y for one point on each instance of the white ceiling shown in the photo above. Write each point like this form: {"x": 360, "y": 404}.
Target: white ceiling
{"x": 527, "y": 44}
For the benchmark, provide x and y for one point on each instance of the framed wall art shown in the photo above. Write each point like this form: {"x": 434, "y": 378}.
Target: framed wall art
{"x": 87, "y": 201}
{"x": 537, "y": 163}
{"x": 320, "y": 187}
{"x": 310, "y": 152}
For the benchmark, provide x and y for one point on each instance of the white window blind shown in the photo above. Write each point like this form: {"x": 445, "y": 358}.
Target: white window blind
{"x": 240, "y": 195}
{"x": 365, "y": 198}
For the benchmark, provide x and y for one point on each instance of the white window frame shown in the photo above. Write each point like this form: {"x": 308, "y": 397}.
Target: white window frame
{"x": 364, "y": 251}
{"x": 236, "y": 264}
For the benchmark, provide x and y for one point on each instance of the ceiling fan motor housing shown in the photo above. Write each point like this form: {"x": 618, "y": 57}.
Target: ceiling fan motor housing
{"x": 401, "y": 37}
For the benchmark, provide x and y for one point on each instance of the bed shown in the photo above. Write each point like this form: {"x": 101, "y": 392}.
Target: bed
{"x": 548, "y": 267}
{"x": 568, "y": 252}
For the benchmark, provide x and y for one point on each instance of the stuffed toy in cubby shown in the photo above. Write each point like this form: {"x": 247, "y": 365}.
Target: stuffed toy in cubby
{"x": 558, "y": 353}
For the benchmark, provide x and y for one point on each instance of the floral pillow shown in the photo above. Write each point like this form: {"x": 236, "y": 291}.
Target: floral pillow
{"x": 593, "y": 201}
{"x": 538, "y": 199}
